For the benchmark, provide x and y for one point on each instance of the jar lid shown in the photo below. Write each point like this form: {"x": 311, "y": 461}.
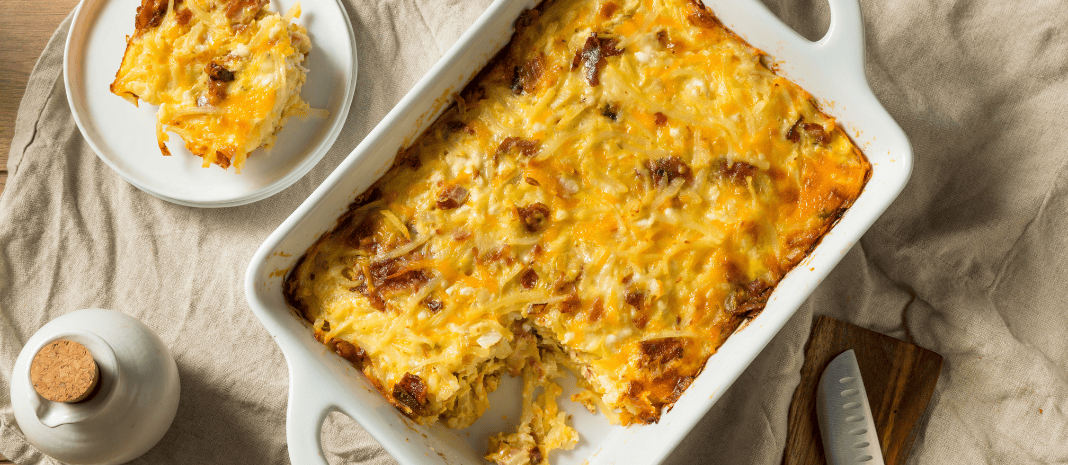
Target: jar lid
{"x": 64, "y": 371}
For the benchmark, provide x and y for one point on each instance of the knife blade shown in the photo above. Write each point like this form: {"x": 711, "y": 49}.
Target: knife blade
{"x": 846, "y": 424}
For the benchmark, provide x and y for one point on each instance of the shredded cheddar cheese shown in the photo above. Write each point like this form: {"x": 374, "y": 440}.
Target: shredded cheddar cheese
{"x": 622, "y": 186}
{"x": 226, "y": 74}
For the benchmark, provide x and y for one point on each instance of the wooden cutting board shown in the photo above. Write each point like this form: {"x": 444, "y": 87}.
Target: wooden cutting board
{"x": 899, "y": 378}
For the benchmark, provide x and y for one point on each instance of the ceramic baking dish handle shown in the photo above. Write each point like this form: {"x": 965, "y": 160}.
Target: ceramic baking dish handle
{"x": 308, "y": 405}
{"x": 844, "y": 41}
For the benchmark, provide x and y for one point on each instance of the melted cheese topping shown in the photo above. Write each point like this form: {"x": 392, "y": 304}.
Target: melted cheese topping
{"x": 225, "y": 74}
{"x": 627, "y": 179}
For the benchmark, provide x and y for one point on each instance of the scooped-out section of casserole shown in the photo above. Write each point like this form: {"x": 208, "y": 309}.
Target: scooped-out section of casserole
{"x": 619, "y": 189}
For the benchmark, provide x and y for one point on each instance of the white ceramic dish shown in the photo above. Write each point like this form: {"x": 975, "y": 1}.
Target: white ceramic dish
{"x": 831, "y": 69}
{"x": 123, "y": 136}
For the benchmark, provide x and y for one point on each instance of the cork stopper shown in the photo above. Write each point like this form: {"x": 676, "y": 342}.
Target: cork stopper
{"x": 64, "y": 371}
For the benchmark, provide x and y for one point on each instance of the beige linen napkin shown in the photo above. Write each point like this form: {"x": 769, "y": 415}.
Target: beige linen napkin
{"x": 969, "y": 262}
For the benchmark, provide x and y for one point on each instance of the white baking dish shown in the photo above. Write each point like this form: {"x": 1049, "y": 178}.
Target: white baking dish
{"x": 831, "y": 69}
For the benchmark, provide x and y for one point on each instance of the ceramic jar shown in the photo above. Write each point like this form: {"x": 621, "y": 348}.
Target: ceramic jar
{"x": 132, "y": 407}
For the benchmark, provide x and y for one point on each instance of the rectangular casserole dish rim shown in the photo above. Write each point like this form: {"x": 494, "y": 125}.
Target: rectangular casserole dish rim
{"x": 844, "y": 40}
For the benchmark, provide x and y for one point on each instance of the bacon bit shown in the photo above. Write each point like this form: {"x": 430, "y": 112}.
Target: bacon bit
{"x": 531, "y": 181}
{"x": 660, "y": 351}
{"x": 461, "y": 234}
{"x": 567, "y": 286}
{"x": 596, "y": 310}
{"x": 150, "y": 14}
{"x": 527, "y": 17}
{"x": 351, "y": 352}
{"x": 407, "y": 156}
{"x": 571, "y": 305}
{"x": 382, "y": 270}
{"x": 534, "y": 216}
{"x": 507, "y": 144}
{"x": 411, "y": 392}
{"x": 641, "y": 321}
{"x": 242, "y": 10}
{"x": 218, "y": 73}
{"x": 537, "y": 309}
{"x": 611, "y": 111}
{"x": 502, "y": 252}
{"x": 409, "y": 280}
{"x": 433, "y": 304}
{"x": 665, "y": 40}
{"x": 326, "y": 326}
{"x": 635, "y": 298}
{"x": 608, "y": 9}
{"x": 525, "y": 78}
{"x": 389, "y": 277}
{"x": 817, "y": 132}
{"x": 627, "y": 279}
{"x": 452, "y": 197}
{"x": 184, "y": 16}
{"x": 358, "y": 235}
{"x": 593, "y": 57}
{"x": 526, "y": 147}
{"x": 736, "y": 171}
{"x": 659, "y": 118}
{"x": 528, "y": 279}
{"x": 793, "y": 135}
{"x": 222, "y": 160}
{"x": 701, "y": 17}
{"x": 373, "y": 299}
{"x": 535, "y": 455}
{"x": 667, "y": 169}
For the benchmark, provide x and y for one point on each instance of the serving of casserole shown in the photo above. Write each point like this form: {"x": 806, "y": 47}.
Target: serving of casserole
{"x": 619, "y": 189}
{"x": 226, "y": 76}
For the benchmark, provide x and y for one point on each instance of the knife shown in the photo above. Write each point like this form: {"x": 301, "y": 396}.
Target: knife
{"x": 846, "y": 424}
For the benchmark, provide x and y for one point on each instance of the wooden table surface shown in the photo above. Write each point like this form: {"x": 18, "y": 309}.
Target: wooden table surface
{"x": 25, "y": 27}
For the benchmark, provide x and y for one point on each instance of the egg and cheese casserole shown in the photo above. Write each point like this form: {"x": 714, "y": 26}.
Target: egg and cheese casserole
{"x": 226, "y": 74}
{"x": 622, "y": 186}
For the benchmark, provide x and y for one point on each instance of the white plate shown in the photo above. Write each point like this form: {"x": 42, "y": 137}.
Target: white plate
{"x": 832, "y": 70}
{"x": 124, "y": 136}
